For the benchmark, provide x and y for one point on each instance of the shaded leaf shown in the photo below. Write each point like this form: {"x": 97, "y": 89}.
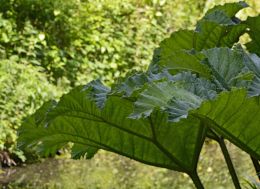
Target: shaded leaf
{"x": 212, "y": 35}
{"x": 162, "y": 95}
{"x": 179, "y": 40}
{"x": 98, "y": 92}
{"x": 228, "y": 67}
{"x": 176, "y": 97}
{"x": 230, "y": 9}
{"x": 254, "y": 28}
{"x": 133, "y": 84}
{"x": 236, "y": 117}
{"x": 184, "y": 61}
{"x": 78, "y": 119}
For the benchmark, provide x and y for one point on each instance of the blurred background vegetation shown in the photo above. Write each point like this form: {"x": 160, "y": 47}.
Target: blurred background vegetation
{"x": 49, "y": 46}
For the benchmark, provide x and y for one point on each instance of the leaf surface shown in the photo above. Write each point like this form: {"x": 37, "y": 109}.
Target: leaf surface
{"x": 228, "y": 67}
{"x": 254, "y": 28}
{"x": 184, "y": 61}
{"x": 185, "y": 91}
{"x": 236, "y": 117}
{"x": 78, "y": 119}
{"x": 230, "y": 9}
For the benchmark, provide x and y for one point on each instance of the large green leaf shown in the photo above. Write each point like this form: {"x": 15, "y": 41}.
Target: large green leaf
{"x": 209, "y": 35}
{"x": 34, "y": 134}
{"x": 218, "y": 16}
{"x": 77, "y": 118}
{"x": 219, "y": 27}
{"x": 133, "y": 84}
{"x": 98, "y": 92}
{"x": 252, "y": 62}
{"x": 236, "y": 117}
{"x": 212, "y": 35}
{"x": 230, "y": 9}
{"x": 172, "y": 53}
{"x": 232, "y": 35}
{"x": 183, "y": 93}
{"x": 179, "y": 40}
{"x": 223, "y": 15}
{"x": 254, "y": 28}
{"x": 254, "y": 89}
{"x": 228, "y": 67}
{"x": 201, "y": 87}
{"x": 184, "y": 61}
{"x": 164, "y": 95}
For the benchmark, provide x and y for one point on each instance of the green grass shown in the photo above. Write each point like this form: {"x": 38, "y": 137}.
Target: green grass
{"x": 110, "y": 171}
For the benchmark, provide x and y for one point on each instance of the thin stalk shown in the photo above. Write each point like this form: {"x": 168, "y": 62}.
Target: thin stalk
{"x": 229, "y": 163}
{"x": 257, "y": 166}
{"x": 196, "y": 180}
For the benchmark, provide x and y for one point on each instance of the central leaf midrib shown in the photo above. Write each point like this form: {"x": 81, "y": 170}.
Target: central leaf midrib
{"x": 102, "y": 120}
{"x": 218, "y": 77}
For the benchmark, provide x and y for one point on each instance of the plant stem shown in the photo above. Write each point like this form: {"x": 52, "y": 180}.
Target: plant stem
{"x": 196, "y": 180}
{"x": 229, "y": 163}
{"x": 257, "y": 166}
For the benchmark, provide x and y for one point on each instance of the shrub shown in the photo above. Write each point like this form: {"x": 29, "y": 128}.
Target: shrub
{"x": 22, "y": 90}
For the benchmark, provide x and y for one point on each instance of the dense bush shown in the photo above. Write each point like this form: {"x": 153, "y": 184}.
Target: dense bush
{"x": 23, "y": 88}
{"x": 101, "y": 38}
{"x": 114, "y": 36}
{"x": 24, "y": 85}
